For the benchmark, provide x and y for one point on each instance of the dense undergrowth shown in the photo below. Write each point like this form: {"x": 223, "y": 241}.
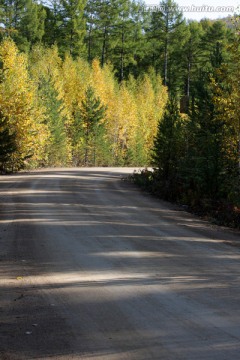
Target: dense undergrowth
{"x": 219, "y": 212}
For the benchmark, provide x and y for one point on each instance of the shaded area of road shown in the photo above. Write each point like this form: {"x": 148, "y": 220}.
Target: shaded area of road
{"x": 91, "y": 268}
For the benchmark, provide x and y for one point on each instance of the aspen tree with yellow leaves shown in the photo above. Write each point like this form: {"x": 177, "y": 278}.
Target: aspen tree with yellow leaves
{"x": 151, "y": 98}
{"x": 126, "y": 123}
{"x": 45, "y": 71}
{"x": 19, "y": 102}
{"x": 74, "y": 78}
{"x": 107, "y": 89}
{"x": 70, "y": 84}
{"x": 133, "y": 111}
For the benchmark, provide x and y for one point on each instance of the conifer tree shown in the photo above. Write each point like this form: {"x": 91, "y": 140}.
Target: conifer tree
{"x": 165, "y": 33}
{"x": 46, "y": 72}
{"x": 32, "y": 24}
{"x": 105, "y": 15}
{"x": 53, "y": 22}
{"x": 73, "y": 26}
{"x": 169, "y": 146}
{"x": 23, "y": 21}
{"x": 7, "y": 144}
{"x": 11, "y": 12}
{"x": 214, "y": 33}
{"x": 191, "y": 61}
{"x": 89, "y": 127}
{"x": 208, "y": 130}
{"x": 226, "y": 101}
{"x": 126, "y": 34}
{"x": 57, "y": 148}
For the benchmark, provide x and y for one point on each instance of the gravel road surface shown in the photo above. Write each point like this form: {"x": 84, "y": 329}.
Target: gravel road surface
{"x": 92, "y": 268}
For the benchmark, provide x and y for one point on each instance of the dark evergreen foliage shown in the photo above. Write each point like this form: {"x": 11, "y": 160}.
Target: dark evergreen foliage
{"x": 7, "y": 144}
{"x": 89, "y": 129}
{"x": 168, "y": 151}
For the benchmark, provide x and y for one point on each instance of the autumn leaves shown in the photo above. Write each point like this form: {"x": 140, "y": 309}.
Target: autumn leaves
{"x": 42, "y": 96}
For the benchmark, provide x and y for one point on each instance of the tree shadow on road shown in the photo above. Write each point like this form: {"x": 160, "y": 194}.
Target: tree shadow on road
{"x": 93, "y": 269}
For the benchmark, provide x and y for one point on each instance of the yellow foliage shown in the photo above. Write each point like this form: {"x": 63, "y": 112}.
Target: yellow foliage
{"x": 133, "y": 108}
{"x": 18, "y": 100}
{"x": 150, "y": 103}
{"x": 71, "y": 84}
{"x": 45, "y": 63}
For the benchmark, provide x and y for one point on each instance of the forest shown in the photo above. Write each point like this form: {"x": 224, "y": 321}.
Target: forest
{"x": 116, "y": 83}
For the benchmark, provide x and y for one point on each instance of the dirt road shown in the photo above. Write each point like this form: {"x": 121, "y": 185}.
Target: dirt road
{"x": 91, "y": 268}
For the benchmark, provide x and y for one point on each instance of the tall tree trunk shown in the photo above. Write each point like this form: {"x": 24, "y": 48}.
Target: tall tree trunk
{"x": 89, "y": 43}
{"x": 166, "y": 51}
{"x": 189, "y": 75}
{"x": 166, "y": 61}
{"x": 122, "y": 57}
{"x": 104, "y": 46}
{"x": 86, "y": 148}
{"x": 71, "y": 42}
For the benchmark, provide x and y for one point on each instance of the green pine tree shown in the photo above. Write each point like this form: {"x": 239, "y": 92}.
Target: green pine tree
{"x": 57, "y": 152}
{"x": 169, "y": 147}
{"x": 216, "y": 32}
{"x": 101, "y": 20}
{"x": 11, "y": 15}
{"x": 32, "y": 25}
{"x": 73, "y": 27}
{"x": 89, "y": 129}
{"x": 204, "y": 167}
{"x": 191, "y": 53}
{"x": 126, "y": 35}
{"x": 23, "y": 21}
{"x": 53, "y": 23}
{"x": 167, "y": 35}
{"x": 7, "y": 144}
